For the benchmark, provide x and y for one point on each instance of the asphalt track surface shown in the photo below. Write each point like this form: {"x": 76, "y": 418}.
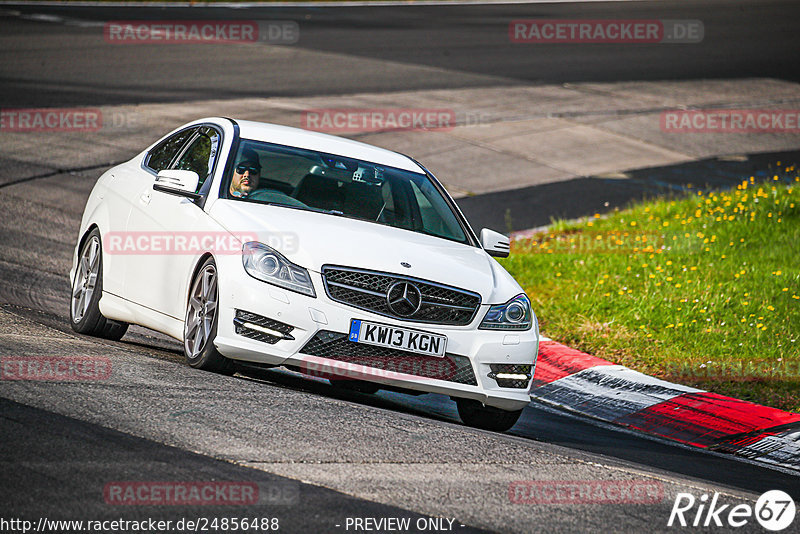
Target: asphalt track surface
{"x": 373, "y": 49}
{"x": 157, "y": 419}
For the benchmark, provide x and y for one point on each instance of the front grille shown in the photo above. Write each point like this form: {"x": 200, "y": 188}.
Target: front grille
{"x": 336, "y": 346}
{"x": 521, "y": 369}
{"x": 243, "y": 317}
{"x": 367, "y": 290}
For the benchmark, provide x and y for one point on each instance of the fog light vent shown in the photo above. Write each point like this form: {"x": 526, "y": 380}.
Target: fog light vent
{"x": 261, "y": 328}
{"x": 511, "y": 375}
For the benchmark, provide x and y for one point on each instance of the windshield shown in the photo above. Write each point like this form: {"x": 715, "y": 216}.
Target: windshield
{"x": 298, "y": 178}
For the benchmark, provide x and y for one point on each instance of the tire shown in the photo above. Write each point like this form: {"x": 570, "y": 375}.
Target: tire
{"x": 200, "y": 325}
{"x": 87, "y": 287}
{"x": 476, "y": 415}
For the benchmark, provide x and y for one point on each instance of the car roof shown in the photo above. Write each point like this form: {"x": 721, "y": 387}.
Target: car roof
{"x": 331, "y": 144}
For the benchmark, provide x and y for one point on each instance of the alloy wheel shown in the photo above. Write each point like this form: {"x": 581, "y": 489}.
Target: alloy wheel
{"x": 86, "y": 278}
{"x": 201, "y": 311}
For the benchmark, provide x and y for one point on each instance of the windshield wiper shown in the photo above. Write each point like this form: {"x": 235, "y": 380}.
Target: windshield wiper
{"x": 336, "y": 213}
{"x": 283, "y": 205}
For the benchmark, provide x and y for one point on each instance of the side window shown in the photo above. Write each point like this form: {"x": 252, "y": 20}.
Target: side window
{"x": 163, "y": 154}
{"x": 201, "y": 154}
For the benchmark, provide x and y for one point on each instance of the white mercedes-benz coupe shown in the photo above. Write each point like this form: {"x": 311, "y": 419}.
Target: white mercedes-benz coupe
{"x": 275, "y": 246}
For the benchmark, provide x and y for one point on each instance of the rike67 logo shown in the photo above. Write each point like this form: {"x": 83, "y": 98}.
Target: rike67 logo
{"x": 774, "y": 511}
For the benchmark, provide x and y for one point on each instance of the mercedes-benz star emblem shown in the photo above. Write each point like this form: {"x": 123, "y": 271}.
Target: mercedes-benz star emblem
{"x": 404, "y": 299}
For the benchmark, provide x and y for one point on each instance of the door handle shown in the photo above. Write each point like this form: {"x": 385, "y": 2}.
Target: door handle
{"x": 145, "y": 197}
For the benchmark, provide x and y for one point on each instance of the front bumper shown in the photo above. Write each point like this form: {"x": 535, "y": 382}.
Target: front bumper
{"x": 314, "y": 319}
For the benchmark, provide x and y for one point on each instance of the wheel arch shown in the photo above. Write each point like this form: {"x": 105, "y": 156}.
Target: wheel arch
{"x": 85, "y": 236}
{"x": 199, "y": 263}
{"x": 98, "y": 218}
{"x": 81, "y": 242}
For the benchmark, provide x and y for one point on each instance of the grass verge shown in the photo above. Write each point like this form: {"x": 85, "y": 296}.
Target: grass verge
{"x": 702, "y": 290}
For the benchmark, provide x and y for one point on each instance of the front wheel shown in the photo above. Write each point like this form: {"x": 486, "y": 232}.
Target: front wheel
{"x": 200, "y": 327}
{"x": 87, "y": 288}
{"x": 475, "y": 414}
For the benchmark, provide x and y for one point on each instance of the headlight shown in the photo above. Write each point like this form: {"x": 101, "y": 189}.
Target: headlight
{"x": 513, "y": 315}
{"x": 269, "y": 265}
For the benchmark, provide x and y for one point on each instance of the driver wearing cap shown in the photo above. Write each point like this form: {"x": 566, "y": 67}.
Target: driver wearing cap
{"x": 246, "y": 174}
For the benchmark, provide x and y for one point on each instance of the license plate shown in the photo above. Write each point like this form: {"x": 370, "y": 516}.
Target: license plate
{"x": 382, "y": 335}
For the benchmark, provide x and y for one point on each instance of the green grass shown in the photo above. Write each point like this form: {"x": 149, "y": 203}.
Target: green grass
{"x": 702, "y": 290}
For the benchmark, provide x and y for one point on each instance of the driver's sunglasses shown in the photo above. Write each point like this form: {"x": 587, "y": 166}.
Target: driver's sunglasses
{"x": 241, "y": 169}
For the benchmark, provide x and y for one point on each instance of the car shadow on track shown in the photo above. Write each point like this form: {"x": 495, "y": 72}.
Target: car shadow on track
{"x": 549, "y": 427}
{"x": 396, "y": 402}
{"x": 561, "y": 432}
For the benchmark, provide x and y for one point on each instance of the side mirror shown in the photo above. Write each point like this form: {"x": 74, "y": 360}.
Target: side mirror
{"x": 495, "y": 243}
{"x": 180, "y": 183}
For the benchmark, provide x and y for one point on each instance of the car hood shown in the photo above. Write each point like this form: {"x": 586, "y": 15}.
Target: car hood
{"x": 312, "y": 239}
